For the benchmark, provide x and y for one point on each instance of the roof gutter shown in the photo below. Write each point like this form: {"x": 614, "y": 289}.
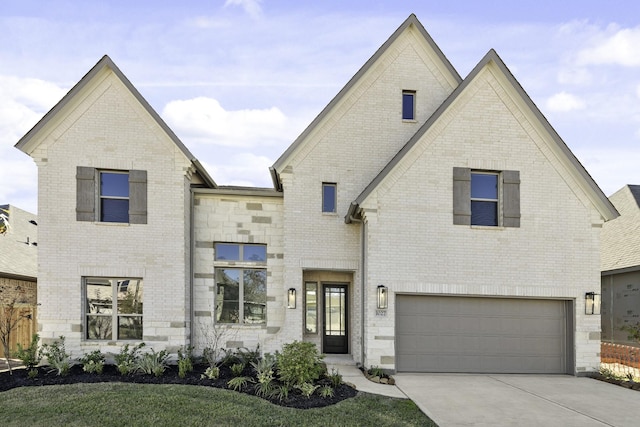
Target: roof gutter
{"x": 275, "y": 178}
{"x": 353, "y": 214}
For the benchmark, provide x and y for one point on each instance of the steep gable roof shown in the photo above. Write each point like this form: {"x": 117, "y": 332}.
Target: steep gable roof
{"x": 29, "y": 141}
{"x": 620, "y": 245}
{"x": 411, "y": 21}
{"x": 591, "y": 189}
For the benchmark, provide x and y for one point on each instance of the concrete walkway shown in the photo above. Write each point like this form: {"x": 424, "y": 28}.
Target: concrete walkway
{"x": 521, "y": 400}
{"x": 352, "y": 375}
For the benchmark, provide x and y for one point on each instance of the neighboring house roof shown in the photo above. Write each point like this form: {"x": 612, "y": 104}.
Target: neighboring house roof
{"x": 18, "y": 251}
{"x": 621, "y": 237}
{"x": 412, "y": 20}
{"x": 564, "y": 154}
{"x": 27, "y": 145}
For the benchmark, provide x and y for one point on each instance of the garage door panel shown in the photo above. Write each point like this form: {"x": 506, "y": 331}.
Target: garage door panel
{"x": 492, "y": 335}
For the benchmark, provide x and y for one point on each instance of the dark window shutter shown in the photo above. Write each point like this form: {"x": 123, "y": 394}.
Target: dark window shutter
{"x": 137, "y": 197}
{"x": 85, "y": 194}
{"x": 462, "y": 196}
{"x": 511, "y": 198}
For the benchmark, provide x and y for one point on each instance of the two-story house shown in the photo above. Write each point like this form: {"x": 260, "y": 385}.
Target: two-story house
{"x": 421, "y": 222}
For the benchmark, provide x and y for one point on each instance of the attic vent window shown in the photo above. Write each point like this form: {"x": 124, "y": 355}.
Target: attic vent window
{"x": 408, "y": 105}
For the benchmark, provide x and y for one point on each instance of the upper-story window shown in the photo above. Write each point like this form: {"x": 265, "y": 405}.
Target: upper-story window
{"x": 329, "y": 197}
{"x": 408, "y": 105}
{"x": 114, "y": 196}
{"x": 486, "y": 198}
{"x": 111, "y": 195}
{"x": 241, "y": 283}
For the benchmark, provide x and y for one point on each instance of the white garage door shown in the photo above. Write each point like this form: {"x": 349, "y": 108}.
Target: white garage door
{"x": 482, "y": 335}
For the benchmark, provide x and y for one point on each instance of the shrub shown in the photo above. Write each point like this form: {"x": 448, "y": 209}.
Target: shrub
{"x": 264, "y": 369}
{"x": 93, "y": 362}
{"x": 153, "y": 363}
{"x": 238, "y": 383}
{"x": 127, "y": 360}
{"x": 32, "y": 373}
{"x": 57, "y": 357}
{"x": 185, "y": 361}
{"x": 307, "y": 389}
{"x": 30, "y": 356}
{"x": 376, "y": 371}
{"x": 299, "y": 363}
{"x": 236, "y": 369}
{"x": 212, "y": 372}
{"x": 326, "y": 391}
{"x": 335, "y": 378}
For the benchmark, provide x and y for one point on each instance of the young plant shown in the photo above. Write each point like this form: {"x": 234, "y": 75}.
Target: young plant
{"x": 185, "y": 361}
{"x": 153, "y": 363}
{"x": 326, "y": 391}
{"x": 93, "y": 362}
{"x": 335, "y": 378}
{"x": 30, "y": 356}
{"x": 299, "y": 363}
{"x": 238, "y": 383}
{"x": 57, "y": 357}
{"x": 264, "y": 369}
{"x": 127, "y": 360}
{"x": 212, "y": 372}
{"x": 376, "y": 371}
{"x": 236, "y": 369}
{"x": 307, "y": 389}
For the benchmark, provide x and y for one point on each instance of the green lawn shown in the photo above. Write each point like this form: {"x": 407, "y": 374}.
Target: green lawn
{"x": 118, "y": 404}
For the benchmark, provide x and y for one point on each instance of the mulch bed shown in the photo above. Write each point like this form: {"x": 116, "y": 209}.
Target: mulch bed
{"x": 170, "y": 376}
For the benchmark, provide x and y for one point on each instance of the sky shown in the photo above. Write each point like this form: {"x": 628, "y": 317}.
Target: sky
{"x": 239, "y": 80}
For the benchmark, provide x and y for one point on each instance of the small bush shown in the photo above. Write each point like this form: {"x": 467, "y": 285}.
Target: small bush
{"x": 299, "y": 363}
{"x": 93, "y": 362}
{"x": 326, "y": 391}
{"x": 127, "y": 360}
{"x": 376, "y": 371}
{"x": 57, "y": 357}
{"x": 238, "y": 383}
{"x": 212, "y": 372}
{"x": 237, "y": 369}
{"x": 185, "y": 361}
{"x": 30, "y": 356}
{"x": 32, "y": 373}
{"x": 153, "y": 363}
{"x": 335, "y": 378}
{"x": 307, "y": 389}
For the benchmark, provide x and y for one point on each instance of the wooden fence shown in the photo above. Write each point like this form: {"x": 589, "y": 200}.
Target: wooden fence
{"x": 27, "y": 326}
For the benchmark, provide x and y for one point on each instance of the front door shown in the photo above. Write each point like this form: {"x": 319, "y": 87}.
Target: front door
{"x": 334, "y": 335}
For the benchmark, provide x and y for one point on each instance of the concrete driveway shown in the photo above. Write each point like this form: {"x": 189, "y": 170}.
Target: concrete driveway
{"x": 521, "y": 400}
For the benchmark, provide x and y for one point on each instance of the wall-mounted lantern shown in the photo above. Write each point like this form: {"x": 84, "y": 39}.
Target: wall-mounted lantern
{"x": 291, "y": 298}
{"x": 383, "y": 297}
{"x": 591, "y": 303}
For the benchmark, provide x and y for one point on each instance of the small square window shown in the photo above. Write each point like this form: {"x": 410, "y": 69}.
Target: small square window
{"x": 408, "y": 105}
{"x": 329, "y": 197}
{"x": 484, "y": 198}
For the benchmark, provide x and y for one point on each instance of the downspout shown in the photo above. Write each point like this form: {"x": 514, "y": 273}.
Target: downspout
{"x": 363, "y": 267}
{"x": 191, "y": 266}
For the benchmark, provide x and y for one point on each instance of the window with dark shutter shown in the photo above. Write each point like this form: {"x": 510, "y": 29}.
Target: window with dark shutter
{"x": 85, "y": 194}
{"x": 488, "y": 198}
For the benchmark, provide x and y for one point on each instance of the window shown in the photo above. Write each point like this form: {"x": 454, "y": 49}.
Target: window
{"x": 484, "y": 198}
{"x": 311, "y": 307}
{"x": 241, "y": 283}
{"x": 408, "y": 105}
{"x": 113, "y": 308}
{"x": 488, "y": 198}
{"x": 111, "y": 195}
{"x": 114, "y": 196}
{"x": 329, "y": 197}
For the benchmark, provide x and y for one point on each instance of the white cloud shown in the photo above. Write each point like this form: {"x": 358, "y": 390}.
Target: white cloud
{"x": 619, "y": 48}
{"x": 203, "y": 120}
{"x": 564, "y": 102}
{"x": 242, "y": 169}
{"x": 575, "y": 76}
{"x": 252, "y": 7}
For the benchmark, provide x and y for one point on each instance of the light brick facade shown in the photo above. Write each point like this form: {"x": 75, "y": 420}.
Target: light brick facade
{"x": 393, "y": 223}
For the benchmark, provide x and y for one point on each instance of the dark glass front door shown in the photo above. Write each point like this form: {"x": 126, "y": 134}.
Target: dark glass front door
{"x": 334, "y": 335}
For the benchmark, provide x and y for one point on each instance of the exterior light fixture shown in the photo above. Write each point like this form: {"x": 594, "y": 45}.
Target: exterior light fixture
{"x": 591, "y": 303}
{"x": 291, "y": 298}
{"x": 383, "y": 297}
